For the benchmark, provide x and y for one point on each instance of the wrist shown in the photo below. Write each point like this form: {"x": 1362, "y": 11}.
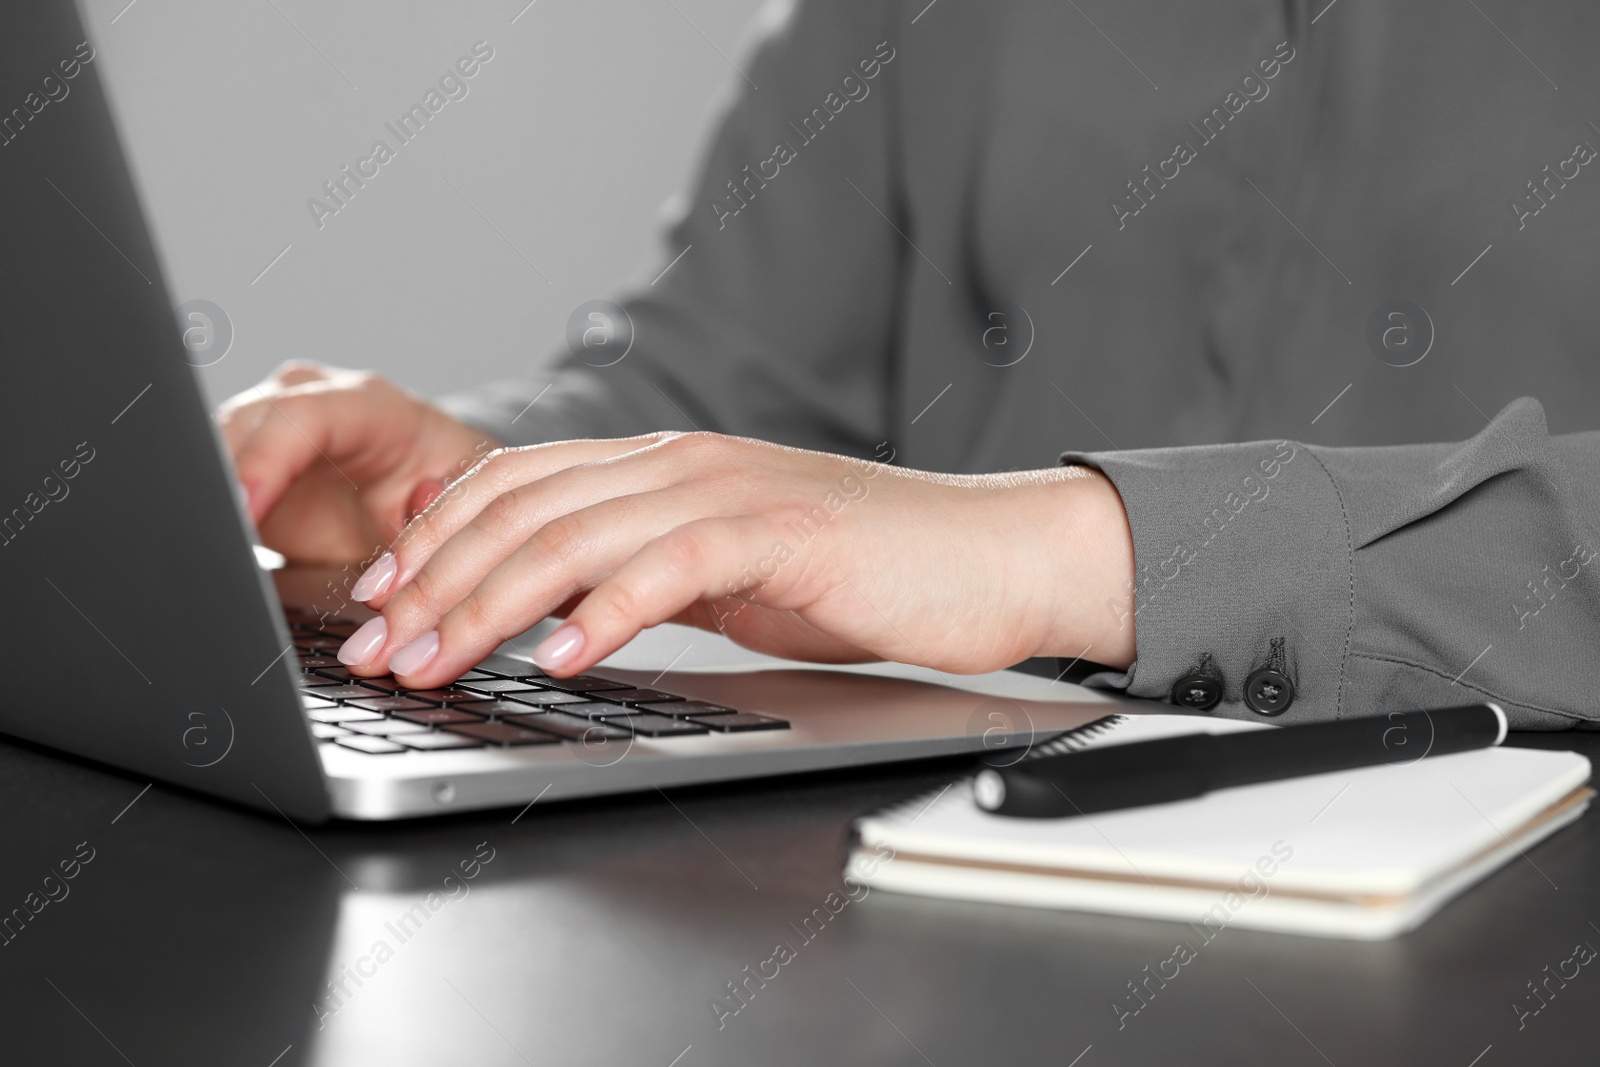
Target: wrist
{"x": 1086, "y": 567}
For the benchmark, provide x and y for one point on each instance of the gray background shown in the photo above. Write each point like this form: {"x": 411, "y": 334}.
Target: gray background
{"x": 570, "y": 141}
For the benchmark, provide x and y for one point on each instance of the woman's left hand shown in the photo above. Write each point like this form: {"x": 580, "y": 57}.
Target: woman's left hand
{"x": 798, "y": 554}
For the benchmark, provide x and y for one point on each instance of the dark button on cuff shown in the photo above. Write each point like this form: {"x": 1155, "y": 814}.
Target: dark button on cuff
{"x": 1198, "y": 691}
{"x": 1268, "y": 692}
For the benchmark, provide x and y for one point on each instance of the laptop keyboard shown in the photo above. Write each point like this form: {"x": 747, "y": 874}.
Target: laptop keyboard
{"x": 503, "y": 703}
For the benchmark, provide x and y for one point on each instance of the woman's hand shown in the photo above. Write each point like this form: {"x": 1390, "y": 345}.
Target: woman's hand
{"x": 799, "y": 554}
{"x": 335, "y": 461}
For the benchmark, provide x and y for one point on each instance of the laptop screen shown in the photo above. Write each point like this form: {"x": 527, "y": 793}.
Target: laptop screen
{"x": 139, "y": 630}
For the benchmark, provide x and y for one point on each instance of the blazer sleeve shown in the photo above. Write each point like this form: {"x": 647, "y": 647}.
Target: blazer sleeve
{"x": 767, "y": 310}
{"x": 1373, "y": 579}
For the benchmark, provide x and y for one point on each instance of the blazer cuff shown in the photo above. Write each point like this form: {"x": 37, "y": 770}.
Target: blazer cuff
{"x": 1243, "y": 562}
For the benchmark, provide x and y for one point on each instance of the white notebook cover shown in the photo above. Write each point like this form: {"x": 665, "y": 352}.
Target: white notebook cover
{"x": 1365, "y": 853}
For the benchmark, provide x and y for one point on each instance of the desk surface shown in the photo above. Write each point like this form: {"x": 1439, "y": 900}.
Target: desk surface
{"x": 601, "y": 932}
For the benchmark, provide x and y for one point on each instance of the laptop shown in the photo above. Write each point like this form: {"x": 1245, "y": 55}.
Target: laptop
{"x": 143, "y": 632}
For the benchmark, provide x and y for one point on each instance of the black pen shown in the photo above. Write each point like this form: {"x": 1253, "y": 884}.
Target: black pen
{"x": 1178, "y": 768}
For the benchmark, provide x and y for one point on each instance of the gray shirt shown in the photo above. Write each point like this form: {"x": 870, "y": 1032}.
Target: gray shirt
{"x": 973, "y": 236}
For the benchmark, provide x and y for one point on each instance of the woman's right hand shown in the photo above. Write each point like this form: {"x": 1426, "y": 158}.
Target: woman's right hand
{"x": 334, "y": 462}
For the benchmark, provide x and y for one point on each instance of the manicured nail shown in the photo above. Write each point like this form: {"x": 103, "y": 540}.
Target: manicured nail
{"x": 365, "y": 642}
{"x": 375, "y": 580}
{"x": 415, "y": 656}
{"x": 559, "y": 648}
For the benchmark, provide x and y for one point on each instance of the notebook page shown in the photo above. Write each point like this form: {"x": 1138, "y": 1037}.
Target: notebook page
{"x": 1384, "y": 829}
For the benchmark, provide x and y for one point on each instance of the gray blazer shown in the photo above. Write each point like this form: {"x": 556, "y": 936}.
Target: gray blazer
{"x": 968, "y": 237}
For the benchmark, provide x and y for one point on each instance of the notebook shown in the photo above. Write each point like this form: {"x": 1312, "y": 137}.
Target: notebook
{"x": 1368, "y": 853}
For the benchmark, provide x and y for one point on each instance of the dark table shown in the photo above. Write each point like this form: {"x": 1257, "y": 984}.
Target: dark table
{"x": 601, "y": 932}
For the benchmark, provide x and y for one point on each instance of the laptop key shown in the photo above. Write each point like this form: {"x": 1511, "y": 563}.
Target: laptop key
{"x": 387, "y": 684}
{"x": 655, "y": 725}
{"x": 309, "y": 702}
{"x": 498, "y": 709}
{"x": 326, "y": 731}
{"x": 546, "y": 698}
{"x": 439, "y": 716}
{"x": 315, "y": 644}
{"x": 433, "y": 741}
{"x": 739, "y": 722}
{"x": 373, "y": 746}
{"x": 389, "y": 704}
{"x": 503, "y": 666}
{"x": 573, "y": 728}
{"x": 593, "y": 709}
{"x": 638, "y": 696}
{"x": 343, "y": 715}
{"x": 496, "y": 686}
{"x": 387, "y": 728}
{"x": 582, "y": 683}
{"x": 313, "y": 663}
{"x": 683, "y": 709}
{"x": 314, "y": 684}
{"x": 503, "y": 733}
{"x": 339, "y": 674}
{"x": 344, "y": 692}
{"x": 442, "y": 696}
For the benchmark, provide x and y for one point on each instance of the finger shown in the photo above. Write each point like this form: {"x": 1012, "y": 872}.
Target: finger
{"x": 426, "y": 492}
{"x": 495, "y": 486}
{"x": 240, "y": 415}
{"x": 359, "y": 428}
{"x": 299, "y": 372}
{"x": 764, "y": 629}
{"x": 458, "y": 611}
{"x": 296, "y": 429}
{"x": 711, "y": 559}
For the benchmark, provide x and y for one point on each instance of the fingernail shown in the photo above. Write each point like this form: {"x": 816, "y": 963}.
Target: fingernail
{"x": 560, "y": 647}
{"x": 375, "y": 580}
{"x": 365, "y": 642}
{"x": 415, "y": 656}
